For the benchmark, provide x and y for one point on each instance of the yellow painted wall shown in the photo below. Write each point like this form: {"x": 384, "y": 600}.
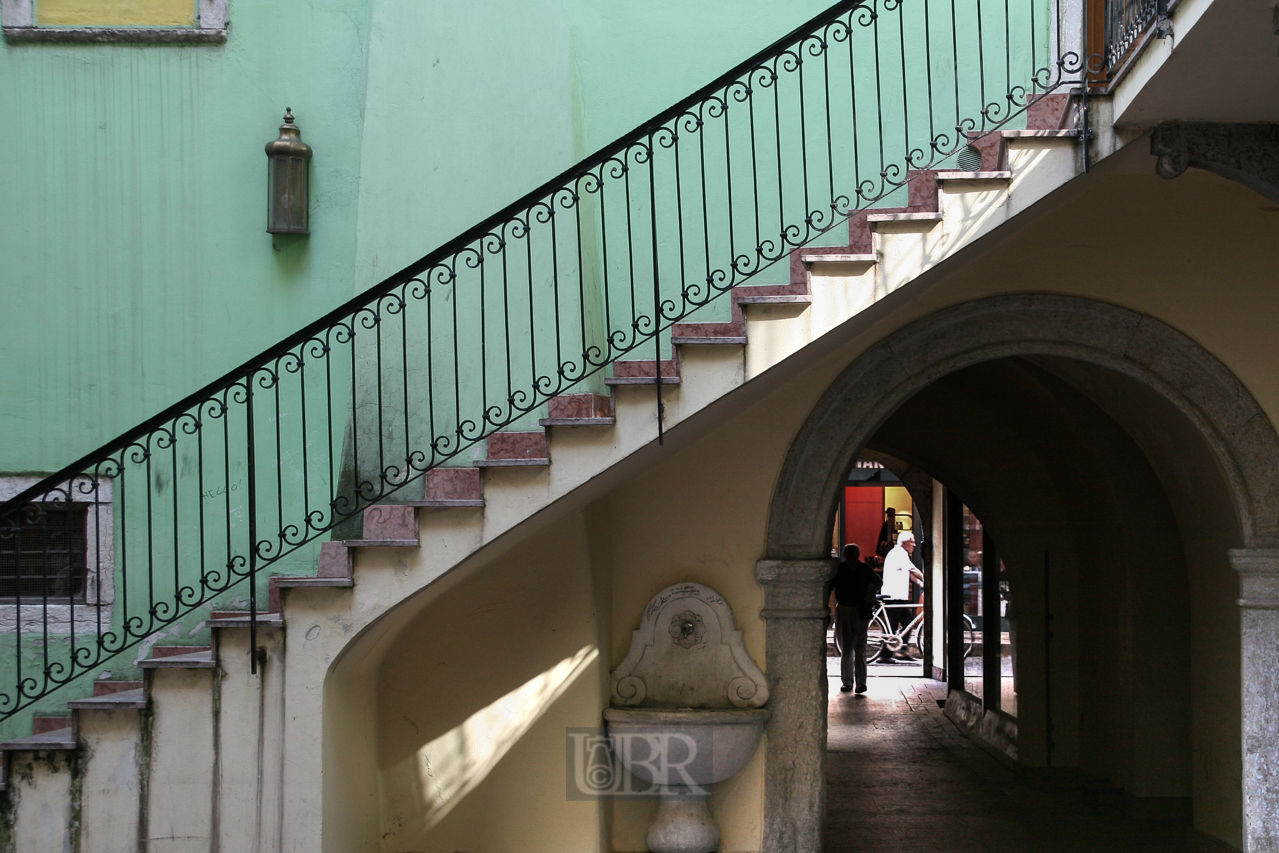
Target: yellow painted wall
{"x": 474, "y": 701}
{"x": 898, "y": 497}
{"x": 116, "y": 13}
{"x": 1198, "y": 253}
{"x": 699, "y": 515}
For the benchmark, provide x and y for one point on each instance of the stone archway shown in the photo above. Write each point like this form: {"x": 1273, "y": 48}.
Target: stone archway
{"x": 1213, "y": 404}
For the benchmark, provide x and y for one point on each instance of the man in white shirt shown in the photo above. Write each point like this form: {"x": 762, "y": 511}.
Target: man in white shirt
{"x": 899, "y": 571}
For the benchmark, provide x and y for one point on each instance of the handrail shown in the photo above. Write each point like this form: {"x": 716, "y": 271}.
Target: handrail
{"x": 542, "y": 296}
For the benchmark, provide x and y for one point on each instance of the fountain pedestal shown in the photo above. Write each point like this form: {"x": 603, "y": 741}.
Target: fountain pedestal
{"x": 687, "y": 712}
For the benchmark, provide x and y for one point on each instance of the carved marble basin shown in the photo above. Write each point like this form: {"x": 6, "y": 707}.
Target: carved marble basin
{"x": 702, "y": 746}
{"x": 687, "y": 711}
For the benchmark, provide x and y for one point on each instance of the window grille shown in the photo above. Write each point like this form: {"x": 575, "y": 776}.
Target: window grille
{"x": 46, "y": 558}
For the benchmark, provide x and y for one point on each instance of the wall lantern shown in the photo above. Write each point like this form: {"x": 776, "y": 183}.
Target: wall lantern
{"x": 287, "y": 158}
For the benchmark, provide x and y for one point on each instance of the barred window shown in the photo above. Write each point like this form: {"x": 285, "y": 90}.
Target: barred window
{"x": 46, "y": 558}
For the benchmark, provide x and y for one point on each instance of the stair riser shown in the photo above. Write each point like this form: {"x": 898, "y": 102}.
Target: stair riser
{"x": 644, "y": 369}
{"x": 249, "y": 793}
{"x": 909, "y": 249}
{"x": 114, "y": 770}
{"x": 580, "y": 406}
{"x": 180, "y": 805}
{"x": 387, "y": 523}
{"x": 43, "y": 725}
{"x": 446, "y": 484}
{"x": 517, "y": 445}
{"x": 43, "y": 790}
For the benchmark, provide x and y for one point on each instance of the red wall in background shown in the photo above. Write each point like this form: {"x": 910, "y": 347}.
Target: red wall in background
{"x": 863, "y": 516}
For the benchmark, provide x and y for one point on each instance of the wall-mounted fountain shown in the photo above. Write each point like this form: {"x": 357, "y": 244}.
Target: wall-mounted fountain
{"x": 687, "y": 711}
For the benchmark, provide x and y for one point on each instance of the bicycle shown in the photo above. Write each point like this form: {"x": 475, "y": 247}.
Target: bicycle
{"x": 906, "y": 642}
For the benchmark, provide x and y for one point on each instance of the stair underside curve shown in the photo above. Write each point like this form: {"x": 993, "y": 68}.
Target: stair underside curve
{"x": 584, "y": 462}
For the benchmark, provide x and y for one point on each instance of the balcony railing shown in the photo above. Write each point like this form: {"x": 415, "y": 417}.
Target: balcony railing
{"x": 543, "y": 296}
{"x": 1126, "y": 21}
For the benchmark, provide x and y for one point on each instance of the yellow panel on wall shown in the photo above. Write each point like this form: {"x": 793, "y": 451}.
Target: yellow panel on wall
{"x": 899, "y": 499}
{"x": 115, "y": 13}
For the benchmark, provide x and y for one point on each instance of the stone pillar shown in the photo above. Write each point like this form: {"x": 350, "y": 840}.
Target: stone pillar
{"x": 794, "y": 778}
{"x": 1259, "y": 660}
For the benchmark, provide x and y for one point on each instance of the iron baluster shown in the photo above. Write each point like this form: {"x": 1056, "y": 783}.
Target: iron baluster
{"x": 636, "y": 319}
{"x": 404, "y": 386}
{"x": 555, "y": 290}
{"x": 280, "y": 365}
{"x": 17, "y": 623}
{"x": 177, "y": 549}
{"x": 44, "y": 590}
{"x": 532, "y": 311}
{"x": 200, "y": 499}
{"x": 657, "y": 284}
{"x": 226, "y": 479}
{"x": 252, "y": 494}
{"x": 149, "y": 480}
{"x": 377, "y": 372}
{"x": 901, "y": 47}
{"x": 97, "y": 558}
{"x": 1126, "y": 21}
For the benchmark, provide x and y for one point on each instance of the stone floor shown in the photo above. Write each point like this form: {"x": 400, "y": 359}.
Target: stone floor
{"x": 902, "y": 779}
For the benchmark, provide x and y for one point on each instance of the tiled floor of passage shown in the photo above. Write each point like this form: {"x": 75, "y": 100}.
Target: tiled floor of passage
{"x": 902, "y": 779}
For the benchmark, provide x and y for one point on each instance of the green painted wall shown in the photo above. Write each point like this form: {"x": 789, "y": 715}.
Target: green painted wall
{"x": 635, "y": 59}
{"x": 473, "y": 104}
{"x": 136, "y": 267}
{"x": 497, "y": 330}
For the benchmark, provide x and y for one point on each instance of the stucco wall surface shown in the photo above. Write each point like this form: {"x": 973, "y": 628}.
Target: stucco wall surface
{"x": 470, "y": 105}
{"x": 518, "y": 654}
{"x": 133, "y": 223}
{"x": 1195, "y": 253}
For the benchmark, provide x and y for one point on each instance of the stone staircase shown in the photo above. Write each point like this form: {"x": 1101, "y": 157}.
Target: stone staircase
{"x": 203, "y": 754}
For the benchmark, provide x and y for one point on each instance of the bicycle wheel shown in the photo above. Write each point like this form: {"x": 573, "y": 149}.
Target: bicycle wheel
{"x": 970, "y": 631}
{"x": 876, "y": 631}
{"x": 913, "y": 642}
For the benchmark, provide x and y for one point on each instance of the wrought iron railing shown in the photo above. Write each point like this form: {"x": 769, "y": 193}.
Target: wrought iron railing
{"x": 1126, "y": 22}
{"x": 595, "y": 265}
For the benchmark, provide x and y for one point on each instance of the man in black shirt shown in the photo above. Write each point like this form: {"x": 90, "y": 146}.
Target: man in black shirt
{"x": 855, "y": 588}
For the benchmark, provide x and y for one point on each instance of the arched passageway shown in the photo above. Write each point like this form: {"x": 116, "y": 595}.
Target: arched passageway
{"x": 901, "y": 776}
{"x": 1118, "y": 465}
{"x": 1124, "y": 692}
